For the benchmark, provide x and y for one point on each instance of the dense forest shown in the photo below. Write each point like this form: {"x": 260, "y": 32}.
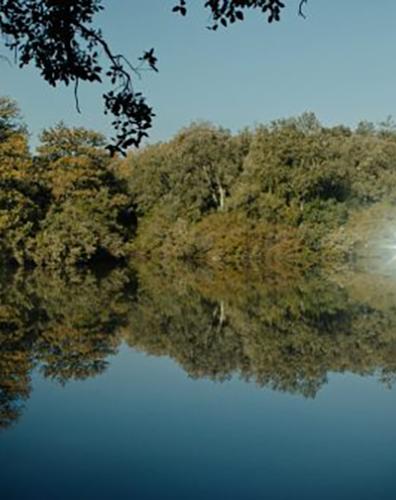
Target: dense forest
{"x": 275, "y": 211}
{"x": 293, "y": 193}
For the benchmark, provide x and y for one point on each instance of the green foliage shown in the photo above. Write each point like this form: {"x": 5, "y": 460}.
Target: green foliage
{"x": 290, "y": 164}
{"x": 254, "y": 212}
{"x": 61, "y": 141}
{"x": 281, "y": 192}
{"x": 10, "y": 119}
{"x": 84, "y": 226}
{"x": 293, "y": 179}
{"x": 65, "y": 206}
{"x": 192, "y": 174}
{"x": 234, "y": 240}
{"x": 22, "y": 197}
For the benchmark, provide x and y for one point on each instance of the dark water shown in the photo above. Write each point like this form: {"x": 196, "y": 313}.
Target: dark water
{"x": 168, "y": 384}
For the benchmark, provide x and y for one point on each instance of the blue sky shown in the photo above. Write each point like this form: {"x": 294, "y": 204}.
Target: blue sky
{"x": 340, "y": 63}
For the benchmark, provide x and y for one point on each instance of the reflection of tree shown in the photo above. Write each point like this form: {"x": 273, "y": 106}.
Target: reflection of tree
{"x": 17, "y": 330}
{"x": 283, "y": 334}
{"x": 187, "y": 327}
{"x": 65, "y": 326}
{"x": 82, "y": 319}
{"x": 14, "y": 384}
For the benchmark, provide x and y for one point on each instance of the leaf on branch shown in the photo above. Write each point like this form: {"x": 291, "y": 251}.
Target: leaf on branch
{"x": 150, "y": 58}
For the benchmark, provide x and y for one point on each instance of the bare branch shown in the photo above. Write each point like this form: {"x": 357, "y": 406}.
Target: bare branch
{"x": 6, "y": 59}
{"x": 301, "y": 8}
{"x": 76, "y": 100}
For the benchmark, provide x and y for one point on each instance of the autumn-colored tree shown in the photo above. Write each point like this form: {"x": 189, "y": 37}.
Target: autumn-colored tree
{"x": 90, "y": 212}
{"x": 22, "y": 198}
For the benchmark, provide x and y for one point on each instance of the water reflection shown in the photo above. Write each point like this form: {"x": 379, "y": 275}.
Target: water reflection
{"x": 65, "y": 326}
{"x": 283, "y": 332}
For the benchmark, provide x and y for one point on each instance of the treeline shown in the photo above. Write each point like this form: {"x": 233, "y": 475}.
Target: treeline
{"x": 290, "y": 193}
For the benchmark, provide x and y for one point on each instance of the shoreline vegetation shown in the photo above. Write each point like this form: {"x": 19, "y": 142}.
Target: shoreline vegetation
{"x": 220, "y": 251}
{"x": 293, "y": 194}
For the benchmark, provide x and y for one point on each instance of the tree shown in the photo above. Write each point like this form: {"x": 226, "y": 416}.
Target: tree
{"x": 210, "y": 161}
{"x": 193, "y": 172}
{"x": 90, "y": 213}
{"x": 22, "y": 199}
{"x": 10, "y": 119}
{"x": 60, "y": 39}
{"x": 293, "y": 173}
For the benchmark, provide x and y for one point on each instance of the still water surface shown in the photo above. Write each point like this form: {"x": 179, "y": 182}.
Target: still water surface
{"x": 170, "y": 385}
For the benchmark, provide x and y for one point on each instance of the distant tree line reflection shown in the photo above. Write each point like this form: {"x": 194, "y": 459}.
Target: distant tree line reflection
{"x": 283, "y": 332}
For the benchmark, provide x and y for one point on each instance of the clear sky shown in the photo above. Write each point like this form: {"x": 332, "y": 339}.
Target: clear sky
{"x": 340, "y": 63}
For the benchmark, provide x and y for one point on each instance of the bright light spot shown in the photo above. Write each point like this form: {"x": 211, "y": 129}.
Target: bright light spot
{"x": 393, "y": 258}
